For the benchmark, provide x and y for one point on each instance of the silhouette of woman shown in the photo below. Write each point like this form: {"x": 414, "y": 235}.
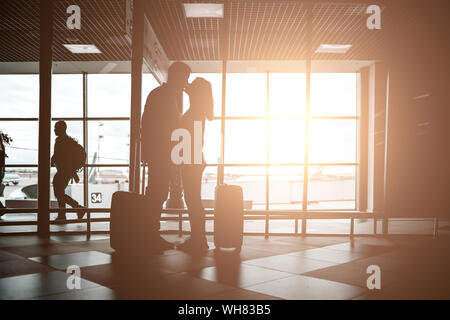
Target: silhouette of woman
{"x": 201, "y": 108}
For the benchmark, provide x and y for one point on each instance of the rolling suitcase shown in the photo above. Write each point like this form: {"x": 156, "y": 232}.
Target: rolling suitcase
{"x": 229, "y": 217}
{"x": 131, "y": 225}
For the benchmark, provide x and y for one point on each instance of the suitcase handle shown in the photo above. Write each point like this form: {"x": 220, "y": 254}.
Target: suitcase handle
{"x": 143, "y": 177}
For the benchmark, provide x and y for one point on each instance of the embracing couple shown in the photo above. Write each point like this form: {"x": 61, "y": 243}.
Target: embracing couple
{"x": 162, "y": 115}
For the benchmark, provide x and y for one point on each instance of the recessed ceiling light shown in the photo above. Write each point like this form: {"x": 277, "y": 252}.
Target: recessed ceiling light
{"x": 82, "y": 48}
{"x": 333, "y": 48}
{"x": 203, "y": 10}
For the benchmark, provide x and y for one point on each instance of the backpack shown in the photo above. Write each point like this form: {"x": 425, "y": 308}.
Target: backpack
{"x": 77, "y": 155}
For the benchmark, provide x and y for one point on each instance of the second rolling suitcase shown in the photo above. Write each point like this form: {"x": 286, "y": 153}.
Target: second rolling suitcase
{"x": 229, "y": 217}
{"x": 132, "y": 226}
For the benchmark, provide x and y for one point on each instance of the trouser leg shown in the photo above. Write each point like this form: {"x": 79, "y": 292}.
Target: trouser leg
{"x": 58, "y": 189}
{"x": 192, "y": 182}
{"x": 159, "y": 176}
{"x": 60, "y": 183}
{"x": 70, "y": 201}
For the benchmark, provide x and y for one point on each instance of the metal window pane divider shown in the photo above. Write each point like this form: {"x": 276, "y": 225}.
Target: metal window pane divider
{"x": 307, "y": 115}
{"x": 85, "y": 145}
{"x": 266, "y": 231}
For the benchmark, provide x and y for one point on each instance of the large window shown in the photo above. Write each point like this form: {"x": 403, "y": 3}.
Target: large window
{"x": 270, "y": 144}
{"x": 19, "y": 111}
{"x": 101, "y": 125}
{"x": 332, "y": 142}
{"x": 282, "y": 158}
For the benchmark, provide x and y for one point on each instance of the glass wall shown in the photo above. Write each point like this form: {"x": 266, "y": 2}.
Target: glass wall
{"x": 265, "y": 131}
{"x": 332, "y": 142}
{"x": 19, "y": 111}
{"x": 266, "y": 138}
{"x": 103, "y": 128}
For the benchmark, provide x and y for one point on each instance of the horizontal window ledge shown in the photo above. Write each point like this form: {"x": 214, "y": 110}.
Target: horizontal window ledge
{"x": 70, "y": 119}
{"x": 293, "y": 164}
{"x": 287, "y": 118}
{"x": 209, "y": 165}
{"x": 86, "y": 166}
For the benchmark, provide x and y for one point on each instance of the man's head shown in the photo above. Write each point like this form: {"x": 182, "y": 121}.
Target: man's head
{"x": 60, "y": 128}
{"x": 178, "y": 75}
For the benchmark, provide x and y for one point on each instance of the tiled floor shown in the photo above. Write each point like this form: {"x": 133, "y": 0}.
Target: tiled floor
{"x": 280, "y": 267}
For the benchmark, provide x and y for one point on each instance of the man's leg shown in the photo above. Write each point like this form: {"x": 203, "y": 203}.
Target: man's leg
{"x": 70, "y": 201}
{"x": 159, "y": 175}
{"x": 67, "y": 199}
{"x": 58, "y": 190}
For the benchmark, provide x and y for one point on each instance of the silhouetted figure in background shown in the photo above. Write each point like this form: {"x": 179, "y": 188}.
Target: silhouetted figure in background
{"x": 161, "y": 116}
{"x": 201, "y": 108}
{"x": 4, "y": 139}
{"x": 66, "y": 153}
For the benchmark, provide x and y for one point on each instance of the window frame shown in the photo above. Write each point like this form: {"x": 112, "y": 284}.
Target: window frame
{"x": 84, "y": 119}
{"x": 305, "y": 164}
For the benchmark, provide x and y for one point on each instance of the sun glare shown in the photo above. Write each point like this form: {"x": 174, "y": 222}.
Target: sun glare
{"x": 260, "y": 128}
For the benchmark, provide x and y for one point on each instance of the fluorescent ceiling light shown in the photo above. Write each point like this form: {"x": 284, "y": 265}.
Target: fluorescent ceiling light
{"x": 333, "y": 48}
{"x": 82, "y": 48}
{"x": 203, "y": 10}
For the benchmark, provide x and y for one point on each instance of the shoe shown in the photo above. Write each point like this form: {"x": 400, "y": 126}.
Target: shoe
{"x": 80, "y": 215}
{"x": 194, "y": 246}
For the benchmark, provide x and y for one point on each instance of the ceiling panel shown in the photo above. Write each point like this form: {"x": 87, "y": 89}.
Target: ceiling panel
{"x": 265, "y": 30}
{"x": 251, "y": 30}
{"x": 102, "y": 24}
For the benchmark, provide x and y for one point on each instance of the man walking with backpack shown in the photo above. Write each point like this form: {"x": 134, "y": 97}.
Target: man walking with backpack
{"x": 4, "y": 139}
{"x": 68, "y": 157}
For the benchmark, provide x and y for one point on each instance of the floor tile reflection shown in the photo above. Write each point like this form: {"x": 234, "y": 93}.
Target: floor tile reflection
{"x": 81, "y": 259}
{"x": 307, "y": 288}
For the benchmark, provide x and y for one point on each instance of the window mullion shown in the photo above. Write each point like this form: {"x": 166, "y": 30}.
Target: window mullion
{"x": 307, "y": 111}
{"x": 267, "y": 154}
{"x": 220, "y": 167}
{"x": 85, "y": 138}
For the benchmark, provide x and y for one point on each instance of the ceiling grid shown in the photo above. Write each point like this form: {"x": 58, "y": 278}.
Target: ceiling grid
{"x": 259, "y": 30}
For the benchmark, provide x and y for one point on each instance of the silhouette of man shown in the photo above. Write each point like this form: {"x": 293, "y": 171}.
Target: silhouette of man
{"x": 65, "y": 171}
{"x": 161, "y": 116}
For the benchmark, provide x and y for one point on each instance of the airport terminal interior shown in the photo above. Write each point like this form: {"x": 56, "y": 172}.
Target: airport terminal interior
{"x": 332, "y": 116}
